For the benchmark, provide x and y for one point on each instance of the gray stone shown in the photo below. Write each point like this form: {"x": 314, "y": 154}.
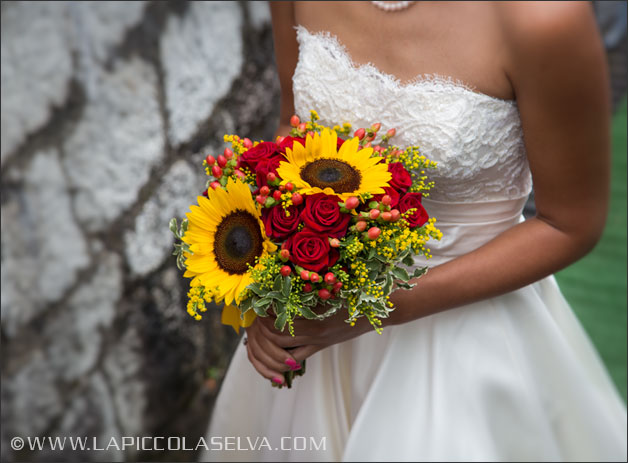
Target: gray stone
{"x": 259, "y": 14}
{"x": 109, "y": 155}
{"x": 36, "y": 66}
{"x": 150, "y": 242}
{"x": 42, "y": 247}
{"x": 202, "y": 55}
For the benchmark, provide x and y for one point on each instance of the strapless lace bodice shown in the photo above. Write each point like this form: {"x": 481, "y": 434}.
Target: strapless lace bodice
{"x": 475, "y": 138}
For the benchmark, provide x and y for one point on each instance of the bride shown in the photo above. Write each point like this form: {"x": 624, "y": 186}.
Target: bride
{"x": 483, "y": 359}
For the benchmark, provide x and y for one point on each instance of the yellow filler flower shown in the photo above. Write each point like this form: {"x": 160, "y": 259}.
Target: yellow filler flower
{"x": 226, "y": 235}
{"x": 320, "y": 167}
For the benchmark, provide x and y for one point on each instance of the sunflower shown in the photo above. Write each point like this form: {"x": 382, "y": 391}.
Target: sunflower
{"x": 320, "y": 167}
{"x": 226, "y": 235}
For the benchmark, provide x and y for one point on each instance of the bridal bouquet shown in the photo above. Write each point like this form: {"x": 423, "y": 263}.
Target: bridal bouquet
{"x": 309, "y": 225}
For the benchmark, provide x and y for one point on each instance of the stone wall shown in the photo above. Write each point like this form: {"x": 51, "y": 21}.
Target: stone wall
{"x": 108, "y": 109}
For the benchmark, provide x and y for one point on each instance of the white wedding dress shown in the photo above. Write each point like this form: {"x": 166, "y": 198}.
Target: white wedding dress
{"x": 512, "y": 378}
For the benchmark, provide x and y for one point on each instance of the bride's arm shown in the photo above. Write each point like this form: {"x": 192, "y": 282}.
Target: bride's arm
{"x": 558, "y": 71}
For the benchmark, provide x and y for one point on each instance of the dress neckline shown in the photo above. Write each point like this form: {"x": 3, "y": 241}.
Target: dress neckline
{"x": 419, "y": 80}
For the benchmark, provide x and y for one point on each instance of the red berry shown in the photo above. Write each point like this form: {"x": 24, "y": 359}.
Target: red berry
{"x": 282, "y": 188}
{"x": 334, "y": 243}
{"x": 375, "y": 127}
{"x": 311, "y": 133}
{"x": 285, "y": 270}
{"x": 277, "y": 195}
{"x": 305, "y": 275}
{"x": 228, "y": 153}
{"x": 330, "y": 278}
{"x": 222, "y": 161}
{"x": 295, "y": 121}
{"x": 337, "y": 286}
{"x": 210, "y": 160}
{"x": 387, "y": 216}
{"x": 289, "y": 186}
{"x": 240, "y": 174}
{"x": 315, "y": 277}
{"x": 264, "y": 191}
{"x": 297, "y": 199}
{"x": 271, "y": 177}
{"x": 367, "y": 145}
{"x": 247, "y": 143}
{"x": 391, "y": 133}
{"x": 307, "y": 287}
{"x": 386, "y": 200}
{"x": 214, "y": 185}
{"x": 302, "y": 127}
{"x": 260, "y": 199}
{"x": 359, "y": 133}
{"x": 284, "y": 254}
{"x": 360, "y": 226}
{"x": 216, "y": 171}
{"x": 324, "y": 294}
{"x": 352, "y": 202}
{"x": 205, "y": 193}
{"x": 395, "y": 215}
{"x": 374, "y": 213}
{"x": 374, "y": 233}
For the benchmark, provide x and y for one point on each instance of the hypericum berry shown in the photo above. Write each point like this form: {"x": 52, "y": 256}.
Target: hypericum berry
{"x": 395, "y": 215}
{"x": 386, "y": 216}
{"x": 205, "y": 193}
{"x": 247, "y": 143}
{"x": 210, "y": 160}
{"x": 284, "y": 254}
{"x": 334, "y": 243}
{"x": 289, "y": 186}
{"x": 297, "y": 199}
{"x": 315, "y": 277}
{"x": 241, "y": 175}
{"x": 277, "y": 195}
{"x": 305, "y": 275}
{"x": 386, "y": 200}
{"x": 330, "y": 278}
{"x": 374, "y": 233}
{"x": 375, "y": 127}
{"x": 337, "y": 286}
{"x": 271, "y": 177}
{"x": 367, "y": 145}
{"x": 279, "y": 139}
{"x": 264, "y": 191}
{"x": 222, "y": 161}
{"x": 228, "y": 153}
{"x": 307, "y": 287}
{"x": 216, "y": 171}
{"x": 260, "y": 199}
{"x": 360, "y": 226}
{"x": 214, "y": 185}
{"x": 359, "y": 133}
{"x": 391, "y": 133}
{"x": 295, "y": 121}
{"x": 352, "y": 202}
{"x": 285, "y": 271}
{"x": 302, "y": 127}
{"x": 324, "y": 294}
{"x": 282, "y": 188}
{"x": 374, "y": 213}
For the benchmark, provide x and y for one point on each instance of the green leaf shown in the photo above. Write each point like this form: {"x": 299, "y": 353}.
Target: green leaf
{"x": 274, "y": 295}
{"x": 401, "y": 273}
{"x": 281, "y": 320}
{"x": 277, "y": 283}
{"x": 246, "y": 304}
{"x": 257, "y": 290}
{"x": 419, "y": 272}
{"x": 287, "y": 286}
{"x": 408, "y": 260}
{"x": 263, "y": 302}
{"x": 307, "y": 313}
{"x": 173, "y": 227}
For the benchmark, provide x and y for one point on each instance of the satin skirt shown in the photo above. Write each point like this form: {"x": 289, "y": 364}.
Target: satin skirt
{"x": 512, "y": 378}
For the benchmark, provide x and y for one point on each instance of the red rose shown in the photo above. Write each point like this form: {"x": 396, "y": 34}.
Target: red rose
{"x": 288, "y": 141}
{"x": 251, "y": 157}
{"x": 265, "y": 166}
{"x": 394, "y": 196}
{"x": 279, "y": 226}
{"x": 322, "y": 215}
{"x": 401, "y": 179}
{"x": 339, "y": 142}
{"x": 413, "y": 201}
{"x": 311, "y": 250}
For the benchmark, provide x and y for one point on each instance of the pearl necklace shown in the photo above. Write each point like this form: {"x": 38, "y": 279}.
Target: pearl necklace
{"x": 392, "y": 6}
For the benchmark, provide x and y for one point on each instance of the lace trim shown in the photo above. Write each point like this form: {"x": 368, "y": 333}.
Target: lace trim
{"x": 337, "y": 47}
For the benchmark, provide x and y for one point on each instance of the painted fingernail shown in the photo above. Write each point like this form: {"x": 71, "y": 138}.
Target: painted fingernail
{"x": 295, "y": 367}
{"x": 291, "y": 363}
{"x": 278, "y": 380}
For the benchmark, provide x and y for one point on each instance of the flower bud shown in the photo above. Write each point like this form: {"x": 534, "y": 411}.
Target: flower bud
{"x": 305, "y": 275}
{"x": 386, "y": 200}
{"x": 271, "y": 177}
{"x": 264, "y": 191}
{"x": 284, "y": 254}
{"x": 307, "y": 287}
{"x": 297, "y": 199}
{"x": 260, "y": 199}
{"x": 289, "y": 186}
{"x": 205, "y": 193}
{"x": 277, "y": 195}
{"x": 315, "y": 277}
{"x": 395, "y": 215}
{"x": 386, "y": 216}
{"x": 334, "y": 242}
{"x": 391, "y": 133}
{"x": 337, "y": 287}
{"x": 241, "y": 175}
{"x": 214, "y": 185}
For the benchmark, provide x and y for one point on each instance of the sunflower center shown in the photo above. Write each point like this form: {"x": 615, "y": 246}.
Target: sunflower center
{"x": 238, "y": 241}
{"x": 332, "y": 173}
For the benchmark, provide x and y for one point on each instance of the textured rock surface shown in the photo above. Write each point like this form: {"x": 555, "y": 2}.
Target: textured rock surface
{"x": 108, "y": 109}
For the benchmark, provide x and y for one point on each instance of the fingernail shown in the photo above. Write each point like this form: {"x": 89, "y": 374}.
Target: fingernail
{"x": 291, "y": 363}
{"x": 278, "y": 380}
{"x": 295, "y": 367}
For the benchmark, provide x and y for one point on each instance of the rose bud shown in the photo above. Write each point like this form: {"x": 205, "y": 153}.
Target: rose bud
{"x": 374, "y": 214}
{"x": 214, "y": 185}
{"x": 305, "y": 275}
{"x": 337, "y": 286}
{"x": 260, "y": 199}
{"x": 374, "y": 233}
{"x": 360, "y": 226}
{"x": 228, "y": 153}
{"x": 297, "y": 199}
{"x": 352, "y": 202}
{"x": 334, "y": 243}
{"x": 302, "y": 127}
{"x": 307, "y": 287}
{"x": 216, "y": 171}
{"x": 284, "y": 254}
{"x": 375, "y": 127}
{"x": 395, "y": 215}
{"x": 247, "y": 143}
{"x": 295, "y": 121}
{"x": 264, "y": 191}
{"x": 277, "y": 195}
{"x": 240, "y": 174}
{"x": 285, "y": 271}
{"x": 359, "y": 133}
{"x": 386, "y": 200}
{"x": 210, "y": 160}
{"x": 271, "y": 177}
{"x": 205, "y": 193}
{"x": 391, "y": 133}
{"x": 222, "y": 161}
{"x": 387, "y": 216}
{"x": 324, "y": 294}
{"x": 330, "y": 278}
{"x": 315, "y": 277}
